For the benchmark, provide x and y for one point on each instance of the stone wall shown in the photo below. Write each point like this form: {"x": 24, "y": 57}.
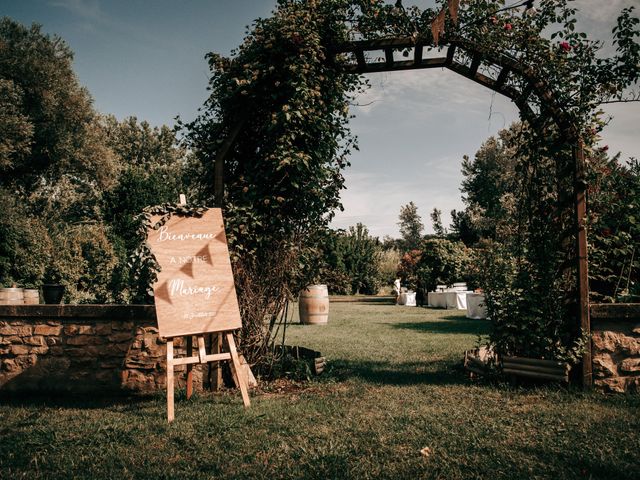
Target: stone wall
{"x": 616, "y": 347}
{"x": 84, "y": 348}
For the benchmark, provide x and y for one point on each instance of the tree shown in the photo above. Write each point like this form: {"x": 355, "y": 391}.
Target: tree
{"x": 442, "y": 262}
{"x": 47, "y": 115}
{"x": 351, "y": 261}
{"x": 436, "y": 222}
{"x": 411, "y": 226}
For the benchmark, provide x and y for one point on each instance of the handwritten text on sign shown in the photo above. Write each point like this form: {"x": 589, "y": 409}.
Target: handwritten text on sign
{"x": 195, "y": 292}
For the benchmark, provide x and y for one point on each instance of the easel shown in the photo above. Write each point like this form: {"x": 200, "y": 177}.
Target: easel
{"x": 203, "y": 358}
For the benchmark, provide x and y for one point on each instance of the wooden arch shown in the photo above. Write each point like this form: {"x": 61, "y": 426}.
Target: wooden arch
{"x": 497, "y": 71}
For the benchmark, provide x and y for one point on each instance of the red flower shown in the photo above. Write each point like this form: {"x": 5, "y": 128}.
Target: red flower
{"x": 605, "y": 148}
{"x": 565, "y": 46}
{"x": 508, "y": 26}
{"x": 494, "y": 20}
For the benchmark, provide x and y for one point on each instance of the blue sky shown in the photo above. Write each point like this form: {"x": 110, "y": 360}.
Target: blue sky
{"x": 146, "y": 59}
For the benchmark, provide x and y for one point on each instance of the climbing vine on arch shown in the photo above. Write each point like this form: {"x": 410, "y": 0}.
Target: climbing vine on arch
{"x": 283, "y": 96}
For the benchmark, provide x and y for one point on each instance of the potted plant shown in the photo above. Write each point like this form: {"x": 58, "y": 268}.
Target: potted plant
{"x": 52, "y": 286}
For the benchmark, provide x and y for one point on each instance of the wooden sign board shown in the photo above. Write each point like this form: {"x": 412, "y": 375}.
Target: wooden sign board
{"x": 195, "y": 292}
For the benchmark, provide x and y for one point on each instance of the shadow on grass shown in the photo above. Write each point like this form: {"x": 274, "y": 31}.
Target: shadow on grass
{"x": 449, "y": 324}
{"x": 412, "y": 373}
{"x": 83, "y": 401}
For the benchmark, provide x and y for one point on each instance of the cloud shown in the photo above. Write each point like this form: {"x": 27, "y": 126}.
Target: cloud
{"x": 419, "y": 91}
{"x": 85, "y": 9}
{"x": 374, "y": 199}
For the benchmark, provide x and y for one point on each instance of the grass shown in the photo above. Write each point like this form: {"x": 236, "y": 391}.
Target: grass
{"x": 394, "y": 386}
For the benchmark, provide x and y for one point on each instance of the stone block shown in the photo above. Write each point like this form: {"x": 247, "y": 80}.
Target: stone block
{"x": 604, "y": 365}
{"x": 71, "y": 329}
{"x": 47, "y": 330}
{"x": 37, "y": 340}
{"x": 86, "y": 330}
{"x": 116, "y": 349}
{"x": 19, "y": 349}
{"x": 141, "y": 363}
{"x": 103, "y": 329}
{"x": 19, "y": 330}
{"x": 128, "y": 326}
{"x": 149, "y": 340}
{"x": 40, "y": 350}
{"x": 110, "y": 363}
{"x": 609, "y": 341}
{"x": 613, "y": 384}
{"x": 76, "y": 352}
{"x": 636, "y": 329}
{"x": 53, "y": 341}
{"x": 54, "y": 323}
{"x": 630, "y": 365}
{"x": 120, "y": 337}
{"x": 56, "y": 350}
{"x": 630, "y": 345}
{"x": 14, "y": 340}
{"x": 79, "y": 340}
{"x": 10, "y": 365}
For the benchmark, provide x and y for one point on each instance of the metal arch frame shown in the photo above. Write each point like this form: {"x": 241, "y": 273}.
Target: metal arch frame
{"x": 508, "y": 66}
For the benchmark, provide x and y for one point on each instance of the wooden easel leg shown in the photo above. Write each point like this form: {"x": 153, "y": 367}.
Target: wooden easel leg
{"x": 236, "y": 368}
{"x": 189, "y": 367}
{"x": 170, "y": 386}
{"x": 216, "y": 367}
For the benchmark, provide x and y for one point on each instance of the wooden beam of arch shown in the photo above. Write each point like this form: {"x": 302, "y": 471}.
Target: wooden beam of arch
{"x": 479, "y": 55}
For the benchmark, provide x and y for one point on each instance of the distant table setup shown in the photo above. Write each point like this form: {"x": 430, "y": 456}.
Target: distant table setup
{"x": 456, "y": 297}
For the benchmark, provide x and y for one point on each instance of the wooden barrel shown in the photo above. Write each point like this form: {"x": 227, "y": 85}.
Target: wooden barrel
{"x": 31, "y": 296}
{"x": 314, "y": 305}
{"x": 11, "y": 296}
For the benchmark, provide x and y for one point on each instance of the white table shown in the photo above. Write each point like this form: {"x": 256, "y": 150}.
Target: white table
{"x": 452, "y": 300}
{"x": 407, "y": 299}
{"x": 476, "y": 307}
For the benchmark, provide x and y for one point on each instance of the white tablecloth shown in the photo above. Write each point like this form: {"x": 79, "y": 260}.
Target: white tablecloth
{"x": 452, "y": 300}
{"x": 407, "y": 298}
{"x": 475, "y": 306}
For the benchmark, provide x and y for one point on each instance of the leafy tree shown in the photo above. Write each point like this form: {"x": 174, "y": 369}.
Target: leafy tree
{"x": 441, "y": 262}
{"x": 352, "y": 260}
{"x": 436, "y": 222}
{"x": 153, "y": 170}
{"x": 48, "y": 116}
{"x": 411, "y": 226}
{"x": 614, "y": 228}
{"x": 361, "y": 260}
{"x": 462, "y": 227}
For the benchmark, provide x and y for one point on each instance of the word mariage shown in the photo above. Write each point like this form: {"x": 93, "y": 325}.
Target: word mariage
{"x": 177, "y": 287}
{"x": 164, "y": 235}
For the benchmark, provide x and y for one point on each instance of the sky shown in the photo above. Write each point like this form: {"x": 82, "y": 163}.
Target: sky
{"x": 146, "y": 59}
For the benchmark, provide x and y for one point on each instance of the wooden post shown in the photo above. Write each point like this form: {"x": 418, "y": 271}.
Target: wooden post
{"x": 216, "y": 369}
{"x": 170, "y": 386}
{"x": 580, "y": 187}
{"x": 236, "y": 367}
{"x": 189, "y": 367}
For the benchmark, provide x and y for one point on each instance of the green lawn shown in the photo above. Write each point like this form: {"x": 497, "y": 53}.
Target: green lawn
{"x": 393, "y": 387}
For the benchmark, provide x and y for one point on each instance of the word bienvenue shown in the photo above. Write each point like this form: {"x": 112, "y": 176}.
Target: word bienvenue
{"x": 178, "y": 288}
{"x": 165, "y": 235}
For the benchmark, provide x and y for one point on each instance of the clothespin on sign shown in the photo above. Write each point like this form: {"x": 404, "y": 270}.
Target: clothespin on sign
{"x": 183, "y": 199}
